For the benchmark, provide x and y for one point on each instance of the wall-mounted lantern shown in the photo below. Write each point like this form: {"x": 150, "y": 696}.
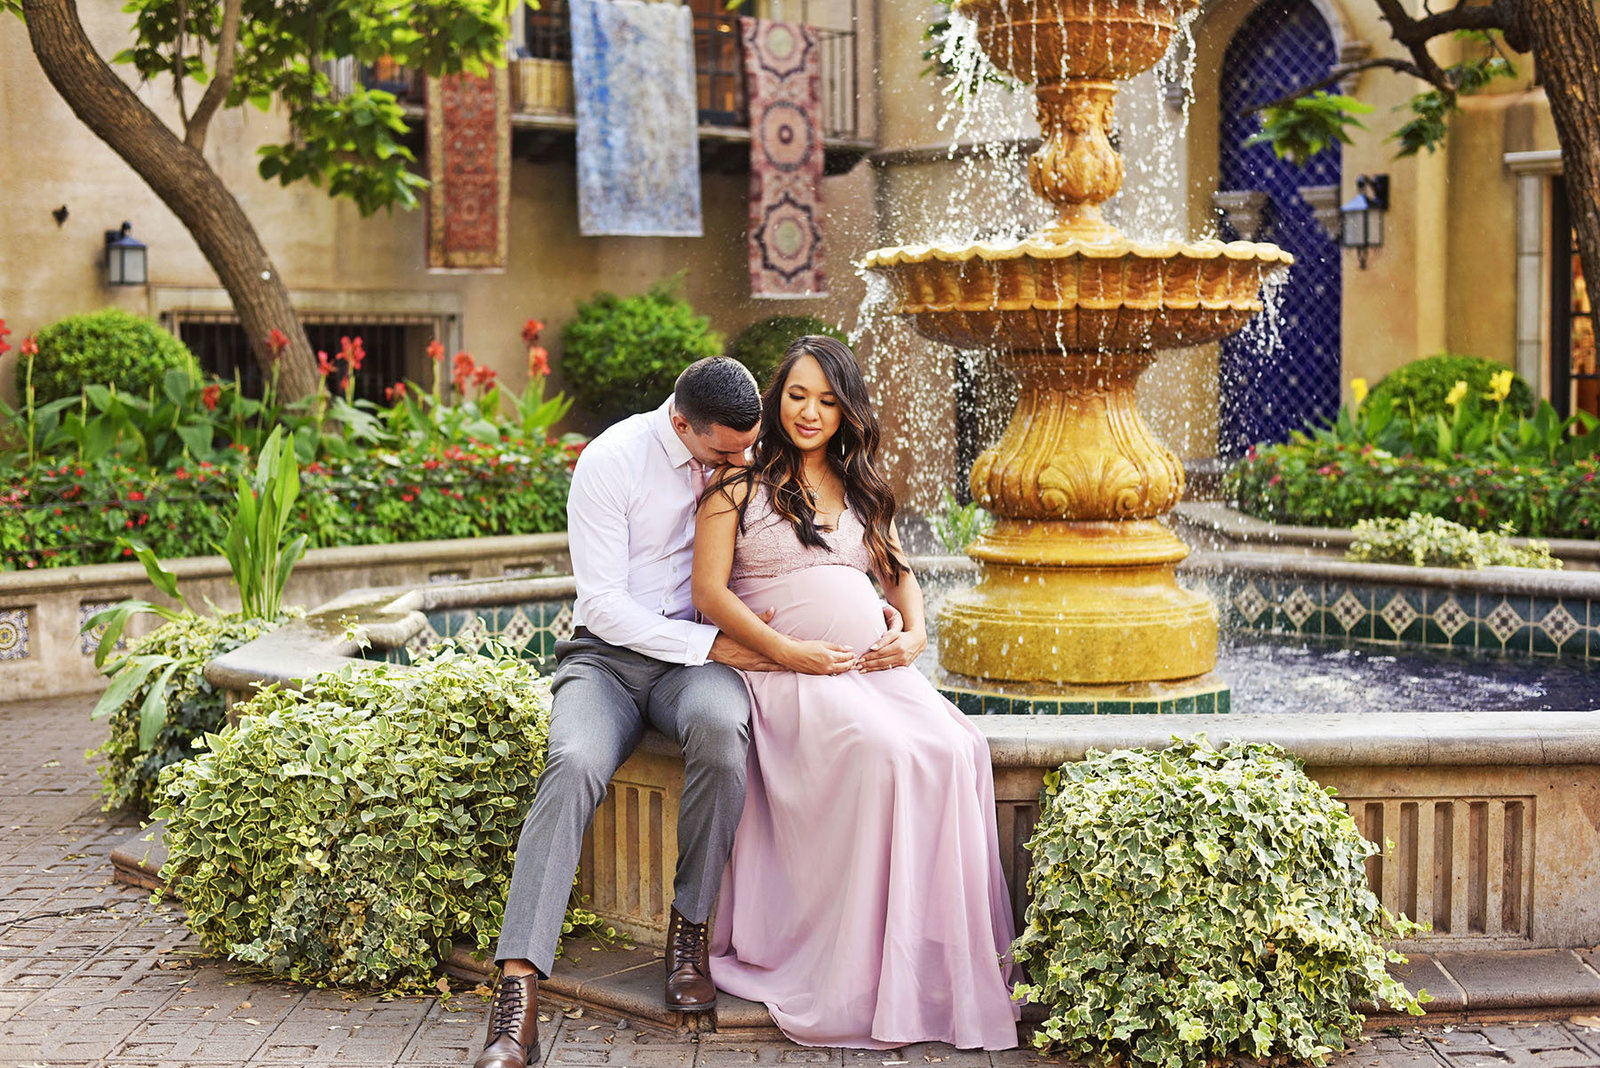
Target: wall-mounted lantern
{"x": 125, "y": 258}
{"x": 1362, "y": 215}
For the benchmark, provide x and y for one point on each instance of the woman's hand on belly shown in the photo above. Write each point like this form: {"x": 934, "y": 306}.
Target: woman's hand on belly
{"x": 818, "y": 658}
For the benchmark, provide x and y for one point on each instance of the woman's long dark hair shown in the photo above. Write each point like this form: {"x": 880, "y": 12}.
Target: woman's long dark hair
{"x": 777, "y": 463}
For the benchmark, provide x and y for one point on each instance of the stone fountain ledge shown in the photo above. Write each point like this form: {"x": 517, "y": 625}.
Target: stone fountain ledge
{"x": 1218, "y": 527}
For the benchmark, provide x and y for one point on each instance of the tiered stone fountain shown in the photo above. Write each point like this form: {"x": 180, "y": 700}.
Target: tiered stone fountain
{"x": 1078, "y": 600}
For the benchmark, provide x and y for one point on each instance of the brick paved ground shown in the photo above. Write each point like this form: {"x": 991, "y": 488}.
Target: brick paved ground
{"x": 94, "y": 974}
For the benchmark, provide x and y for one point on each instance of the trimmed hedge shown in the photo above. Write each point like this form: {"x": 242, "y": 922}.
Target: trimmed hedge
{"x": 1421, "y": 386}
{"x": 109, "y": 346}
{"x": 75, "y": 513}
{"x": 761, "y": 345}
{"x": 1334, "y": 485}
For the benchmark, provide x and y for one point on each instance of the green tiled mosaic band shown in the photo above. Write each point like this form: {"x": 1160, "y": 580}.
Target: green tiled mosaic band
{"x": 1212, "y": 700}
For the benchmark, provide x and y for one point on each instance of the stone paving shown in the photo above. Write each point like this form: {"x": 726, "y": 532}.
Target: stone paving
{"x": 95, "y": 974}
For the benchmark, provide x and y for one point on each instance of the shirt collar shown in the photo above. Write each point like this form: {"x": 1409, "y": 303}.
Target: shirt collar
{"x": 661, "y": 420}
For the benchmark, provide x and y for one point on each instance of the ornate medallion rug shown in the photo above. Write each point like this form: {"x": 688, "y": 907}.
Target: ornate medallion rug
{"x": 782, "y": 76}
{"x": 638, "y": 143}
{"x": 469, "y": 166}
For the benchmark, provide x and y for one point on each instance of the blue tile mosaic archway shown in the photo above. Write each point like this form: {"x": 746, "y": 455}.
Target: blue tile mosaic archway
{"x": 1267, "y": 391}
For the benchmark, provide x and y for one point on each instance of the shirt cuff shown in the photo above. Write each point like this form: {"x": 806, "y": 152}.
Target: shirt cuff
{"x": 698, "y": 645}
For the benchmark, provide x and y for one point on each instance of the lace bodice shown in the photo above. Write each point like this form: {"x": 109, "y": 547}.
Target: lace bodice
{"x": 768, "y": 547}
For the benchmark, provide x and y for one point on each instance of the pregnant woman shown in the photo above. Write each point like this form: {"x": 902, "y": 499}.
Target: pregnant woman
{"x": 864, "y": 902}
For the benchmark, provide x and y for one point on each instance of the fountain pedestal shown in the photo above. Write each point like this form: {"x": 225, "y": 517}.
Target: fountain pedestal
{"x": 1078, "y": 598}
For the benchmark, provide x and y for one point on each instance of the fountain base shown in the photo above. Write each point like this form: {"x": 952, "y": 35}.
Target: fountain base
{"x": 1081, "y": 603}
{"x": 1205, "y": 695}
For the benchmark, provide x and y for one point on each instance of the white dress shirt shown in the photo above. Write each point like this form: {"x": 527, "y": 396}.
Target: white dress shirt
{"x": 630, "y": 525}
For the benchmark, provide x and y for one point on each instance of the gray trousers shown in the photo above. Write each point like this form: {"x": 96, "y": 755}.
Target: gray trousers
{"x": 604, "y": 696}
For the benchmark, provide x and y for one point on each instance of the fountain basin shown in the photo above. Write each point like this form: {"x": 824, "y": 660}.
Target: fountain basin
{"x": 1079, "y": 297}
{"x": 1049, "y": 40}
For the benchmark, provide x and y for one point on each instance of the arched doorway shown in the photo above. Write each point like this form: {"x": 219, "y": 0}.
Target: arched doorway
{"x": 1283, "y": 45}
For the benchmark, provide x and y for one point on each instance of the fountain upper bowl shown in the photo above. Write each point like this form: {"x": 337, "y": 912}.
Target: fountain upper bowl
{"x": 1050, "y": 40}
{"x": 1111, "y": 296}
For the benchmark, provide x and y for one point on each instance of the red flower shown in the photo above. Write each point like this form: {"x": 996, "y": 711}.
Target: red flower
{"x": 324, "y": 365}
{"x": 394, "y": 392}
{"x": 435, "y": 350}
{"x": 538, "y": 361}
{"x": 352, "y": 352}
{"x": 210, "y": 395}
{"x": 182, "y": 475}
{"x": 462, "y": 365}
{"x": 135, "y": 495}
{"x": 531, "y": 330}
{"x": 483, "y": 376}
{"x": 4, "y": 348}
{"x": 277, "y": 341}
{"x": 1274, "y": 480}
{"x": 30, "y": 347}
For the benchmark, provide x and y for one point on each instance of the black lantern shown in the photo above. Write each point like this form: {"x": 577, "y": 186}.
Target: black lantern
{"x": 125, "y": 258}
{"x": 1361, "y": 218}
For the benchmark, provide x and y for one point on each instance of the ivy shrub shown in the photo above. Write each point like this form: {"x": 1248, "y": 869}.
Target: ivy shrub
{"x": 621, "y": 355}
{"x": 111, "y": 346}
{"x": 761, "y": 345}
{"x": 165, "y": 667}
{"x": 1421, "y": 386}
{"x": 1428, "y": 541}
{"x": 1195, "y": 904}
{"x": 348, "y": 833}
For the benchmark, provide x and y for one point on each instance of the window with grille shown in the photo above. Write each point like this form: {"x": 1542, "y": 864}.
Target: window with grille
{"x": 396, "y": 348}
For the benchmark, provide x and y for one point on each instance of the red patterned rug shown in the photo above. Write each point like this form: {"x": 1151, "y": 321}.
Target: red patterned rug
{"x": 469, "y": 164}
{"x": 781, "y": 77}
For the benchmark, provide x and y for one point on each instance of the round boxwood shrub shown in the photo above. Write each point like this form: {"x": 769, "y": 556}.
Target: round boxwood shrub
{"x": 622, "y": 354}
{"x": 760, "y": 346}
{"x": 112, "y": 347}
{"x": 161, "y": 679}
{"x": 348, "y": 833}
{"x": 1422, "y": 385}
{"x": 1194, "y": 904}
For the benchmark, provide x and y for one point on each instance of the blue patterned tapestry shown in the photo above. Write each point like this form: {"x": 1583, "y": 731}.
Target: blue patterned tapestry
{"x": 638, "y": 147}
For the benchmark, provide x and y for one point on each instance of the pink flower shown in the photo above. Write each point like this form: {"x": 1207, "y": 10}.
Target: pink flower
{"x": 435, "y": 350}
{"x": 538, "y": 361}
{"x": 394, "y": 392}
{"x": 324, "y": 365}
{"x": 352, "y": 352}
{"x": 30, "y": 347}
{"x": 277, "y": 341}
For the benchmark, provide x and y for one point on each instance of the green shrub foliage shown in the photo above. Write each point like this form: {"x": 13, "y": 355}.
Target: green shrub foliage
{"x": 622, "y": 354}
{"x": 1428, "y": 541}
{"x": 110, "y": 346}
{"x": 347, "y": 834}
{"x": 168, "y": 663}
{"x": 1194, "y": 904}
{"x": 761, "y": 345}
{"x": 1421, "y": 386}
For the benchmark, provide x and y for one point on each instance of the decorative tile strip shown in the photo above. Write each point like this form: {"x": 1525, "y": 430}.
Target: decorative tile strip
{"x": 89, "y": 641}
{"x": 13, "y": 633}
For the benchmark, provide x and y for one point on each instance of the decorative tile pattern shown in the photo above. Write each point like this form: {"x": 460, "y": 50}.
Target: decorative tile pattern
{"x": 1504, "y": 621}
{"x": 422, "y": 641}
{"x": 1250, "y": 603}
{"x": 1349, "y": 611}
{"x": 1299, "y": 607}
{"x": 524, "y": 570}
{"x": 89, "y": 641}
{"x": 561, "y": 625}
{"x": 979, "y": 703}
{"x": 1414, "y": 615}
{"x": 13, "y": 633}
{"x": 1451, "y": 617}
{"x": 1559, "y": 624}
{"x": 446, "y": 576}
{"x": 518, "y": 630}
{"x": 1398, "y": 613}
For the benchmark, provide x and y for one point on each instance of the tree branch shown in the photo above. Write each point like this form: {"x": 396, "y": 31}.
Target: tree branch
{"x": 221, "y": 79}
{"x": 1404, "y": 30}
{"x": 1338, "y": 74}
{"x": 1457, "y": 18}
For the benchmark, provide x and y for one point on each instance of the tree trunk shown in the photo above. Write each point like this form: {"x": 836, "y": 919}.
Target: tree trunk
{"x": 1565, "y": 39}
{"x": 183, "y": 180}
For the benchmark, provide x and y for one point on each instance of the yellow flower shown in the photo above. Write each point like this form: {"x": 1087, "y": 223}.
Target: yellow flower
{"x": 1500, "y": 386}
{"x": 1358, "y": 387}
{"x": 1457, "y": 394}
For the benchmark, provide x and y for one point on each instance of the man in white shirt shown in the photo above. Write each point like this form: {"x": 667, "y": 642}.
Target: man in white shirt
{"x": 637, "y": 658}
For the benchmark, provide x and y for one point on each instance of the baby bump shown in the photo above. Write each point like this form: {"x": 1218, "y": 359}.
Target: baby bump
{"x": 830, "y": 602}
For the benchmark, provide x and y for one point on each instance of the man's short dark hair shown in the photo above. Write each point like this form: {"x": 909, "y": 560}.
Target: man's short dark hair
{"x": 717, "y": 390}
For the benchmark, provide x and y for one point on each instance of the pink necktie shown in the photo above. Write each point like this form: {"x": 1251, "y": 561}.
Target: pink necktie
{"x": 699, "y": 475}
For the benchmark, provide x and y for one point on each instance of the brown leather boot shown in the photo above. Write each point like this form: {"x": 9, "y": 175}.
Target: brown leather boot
{"x": 513, "y": 1024}
{"x": 689, "y": 986}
